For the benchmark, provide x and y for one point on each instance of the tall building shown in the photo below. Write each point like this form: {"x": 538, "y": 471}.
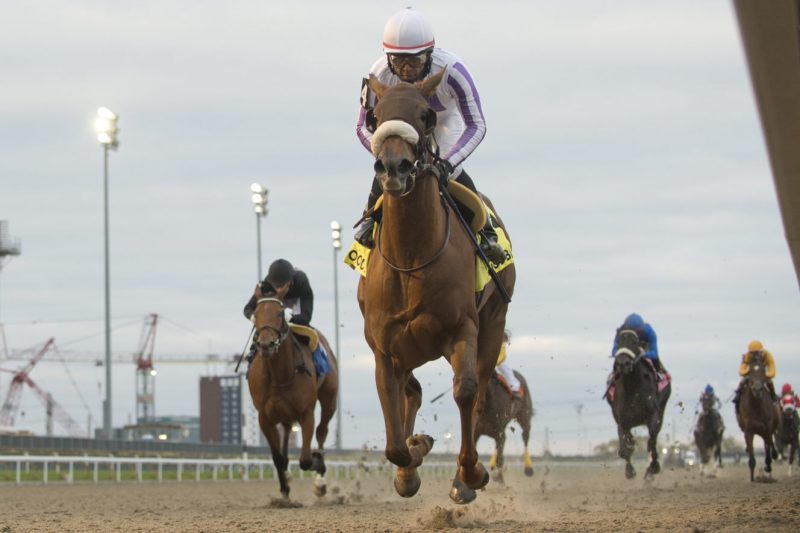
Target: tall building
{"x": 221, "y": 415}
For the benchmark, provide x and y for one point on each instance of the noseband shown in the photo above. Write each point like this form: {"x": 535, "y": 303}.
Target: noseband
{"x": 280, "y": 334}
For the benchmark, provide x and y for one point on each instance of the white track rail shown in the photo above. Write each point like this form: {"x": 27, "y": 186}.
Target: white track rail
{"x": 238, "y": 469}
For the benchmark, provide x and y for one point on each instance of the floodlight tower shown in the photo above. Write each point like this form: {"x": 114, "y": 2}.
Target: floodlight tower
{"x": 106, "y": 127}
{"x": 9, "y": 248}
{"x": 260, "y": 198}
{"x": 336, "y": 241}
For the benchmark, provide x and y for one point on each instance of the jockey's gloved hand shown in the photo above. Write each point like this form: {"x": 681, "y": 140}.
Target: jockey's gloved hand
{"x": 287, "y": 314}
{"x": 443, "y": 170}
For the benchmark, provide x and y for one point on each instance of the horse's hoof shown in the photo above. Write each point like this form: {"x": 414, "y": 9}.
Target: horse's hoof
{"x": 497, "y": 477}
{"x": 407, "y": 484}
{"x": 529, "y": 471}
{"x": 320, "y": 486}
{"x": 478, "y": 479}
{"x": 423, "y": 442}
{"x": 630, "y": 472}
{"x": 460, "y": 493}
{"x": 318, "y": 462}
{"x": 654, "y": 468}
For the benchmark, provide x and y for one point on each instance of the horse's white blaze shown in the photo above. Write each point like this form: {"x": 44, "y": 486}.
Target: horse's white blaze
{"x": 390, "y": 128}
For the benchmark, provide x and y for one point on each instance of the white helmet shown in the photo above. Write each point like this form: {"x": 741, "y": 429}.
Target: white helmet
{"x": 407, "y": 32}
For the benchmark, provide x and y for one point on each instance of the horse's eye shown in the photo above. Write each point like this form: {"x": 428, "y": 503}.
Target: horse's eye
{"x": 424, "y": 116}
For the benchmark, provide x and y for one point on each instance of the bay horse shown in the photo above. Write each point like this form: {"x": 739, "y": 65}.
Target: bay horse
{"x": 786, "y": 435}
{"x": 708, "y": 435}
{"x": 636, "y": 401}
{"x": 500, "y": 409}
{"x": 285, "y": 389}
{"x": 758, "y": 414}
{"x": 418, "y": 297}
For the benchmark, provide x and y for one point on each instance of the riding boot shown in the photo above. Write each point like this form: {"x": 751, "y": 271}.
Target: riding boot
{"x": 493, "y": 251}
{"x": 364, "y": 231}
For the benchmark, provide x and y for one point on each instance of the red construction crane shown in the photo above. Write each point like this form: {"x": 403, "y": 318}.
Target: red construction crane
{"x": 53, "y": 409}
{"x": 11, "y": 405}
{"x": 145, "y": 373}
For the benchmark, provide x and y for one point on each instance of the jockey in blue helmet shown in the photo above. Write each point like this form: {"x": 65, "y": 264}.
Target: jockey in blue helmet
{"x": 709, "y": 399}
{"x": 647, "y": 339}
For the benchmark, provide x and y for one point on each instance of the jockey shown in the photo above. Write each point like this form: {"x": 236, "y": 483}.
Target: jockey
{"x": 647, "y": 339}
{"x": 789, "y": 402}
{"x": 709, "y": 400}
{"x": 410, "y": 56}
{"x": 754, "y": 348}
{"x": 505, "y": 370}
{"x": 292, "y": 287}
{"x": 710, "y": 404}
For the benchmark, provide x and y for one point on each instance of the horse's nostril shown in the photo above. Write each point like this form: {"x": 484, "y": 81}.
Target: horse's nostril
{"x": 405, "y": 166}
{"x": 379, "y": 167}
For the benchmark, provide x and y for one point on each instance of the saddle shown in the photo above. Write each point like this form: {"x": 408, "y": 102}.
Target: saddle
{"x": 358, "y": 256}
{"x": 520, "y": 394}
{"x": 308, "y": 335}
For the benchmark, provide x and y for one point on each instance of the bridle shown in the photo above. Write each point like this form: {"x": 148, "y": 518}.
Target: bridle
{"x": 280, "y": 335}
{"x": 422, "y": 151}
{"x": 627, "y": 352}
{"x": 270, "y": 349}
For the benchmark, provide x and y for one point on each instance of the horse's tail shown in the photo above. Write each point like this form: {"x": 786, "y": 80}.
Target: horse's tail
{"x": 527, "y": 393}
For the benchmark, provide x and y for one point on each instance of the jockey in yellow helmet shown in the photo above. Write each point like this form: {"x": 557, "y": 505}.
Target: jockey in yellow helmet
{"x": 755, "y": 348}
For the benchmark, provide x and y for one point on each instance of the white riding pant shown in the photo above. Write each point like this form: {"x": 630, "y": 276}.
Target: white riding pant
{"x": 508, "y": 375}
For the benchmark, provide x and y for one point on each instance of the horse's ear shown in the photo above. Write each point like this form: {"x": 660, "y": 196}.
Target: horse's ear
{"x": 258, "y": 292}
{"x": 376, "y": 86}
{"x": 428, "y": 87}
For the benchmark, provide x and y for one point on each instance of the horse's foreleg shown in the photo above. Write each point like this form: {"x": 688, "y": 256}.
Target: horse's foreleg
{"x": 306, "y": 431}
{"x": 751, "y": 461}
{"x": 769, "y": 451}
{"x": 387, "y": 380}
{"x": 652, "y": 446}
{"x": 279, "y": 457}
{"x": 465, "y": 392}
{"x": 626, "y": 449}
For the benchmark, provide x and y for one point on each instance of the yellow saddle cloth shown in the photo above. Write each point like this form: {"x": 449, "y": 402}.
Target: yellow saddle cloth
{"x": 307, "y": 332}
{"x": 357, "y": 257}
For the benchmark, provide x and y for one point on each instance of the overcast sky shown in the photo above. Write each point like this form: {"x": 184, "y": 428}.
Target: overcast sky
{"x": 623, "y": 151}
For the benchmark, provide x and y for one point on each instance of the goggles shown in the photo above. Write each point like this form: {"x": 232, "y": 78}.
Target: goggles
{"x": 399, "y": 61}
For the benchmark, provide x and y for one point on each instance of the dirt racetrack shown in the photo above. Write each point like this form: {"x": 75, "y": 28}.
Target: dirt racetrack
{"x": 560, "y": 497}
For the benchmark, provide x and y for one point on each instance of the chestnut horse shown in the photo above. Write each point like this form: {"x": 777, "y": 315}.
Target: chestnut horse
{"x": 418, "y": 296}
{"x": 285, "y": 390}
{"x": 758, "y": 414}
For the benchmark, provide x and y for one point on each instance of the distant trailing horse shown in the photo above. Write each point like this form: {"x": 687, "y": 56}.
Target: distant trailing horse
{"x": 285, "y": 388}
{"x": 758, "y": 414}
{"x": 786, "y": 436}
{"x": 708, "y": 435}
{"x": 418, "y": 297}
{"x": 501, "y": 409}
{"x": 636, "y": 400}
